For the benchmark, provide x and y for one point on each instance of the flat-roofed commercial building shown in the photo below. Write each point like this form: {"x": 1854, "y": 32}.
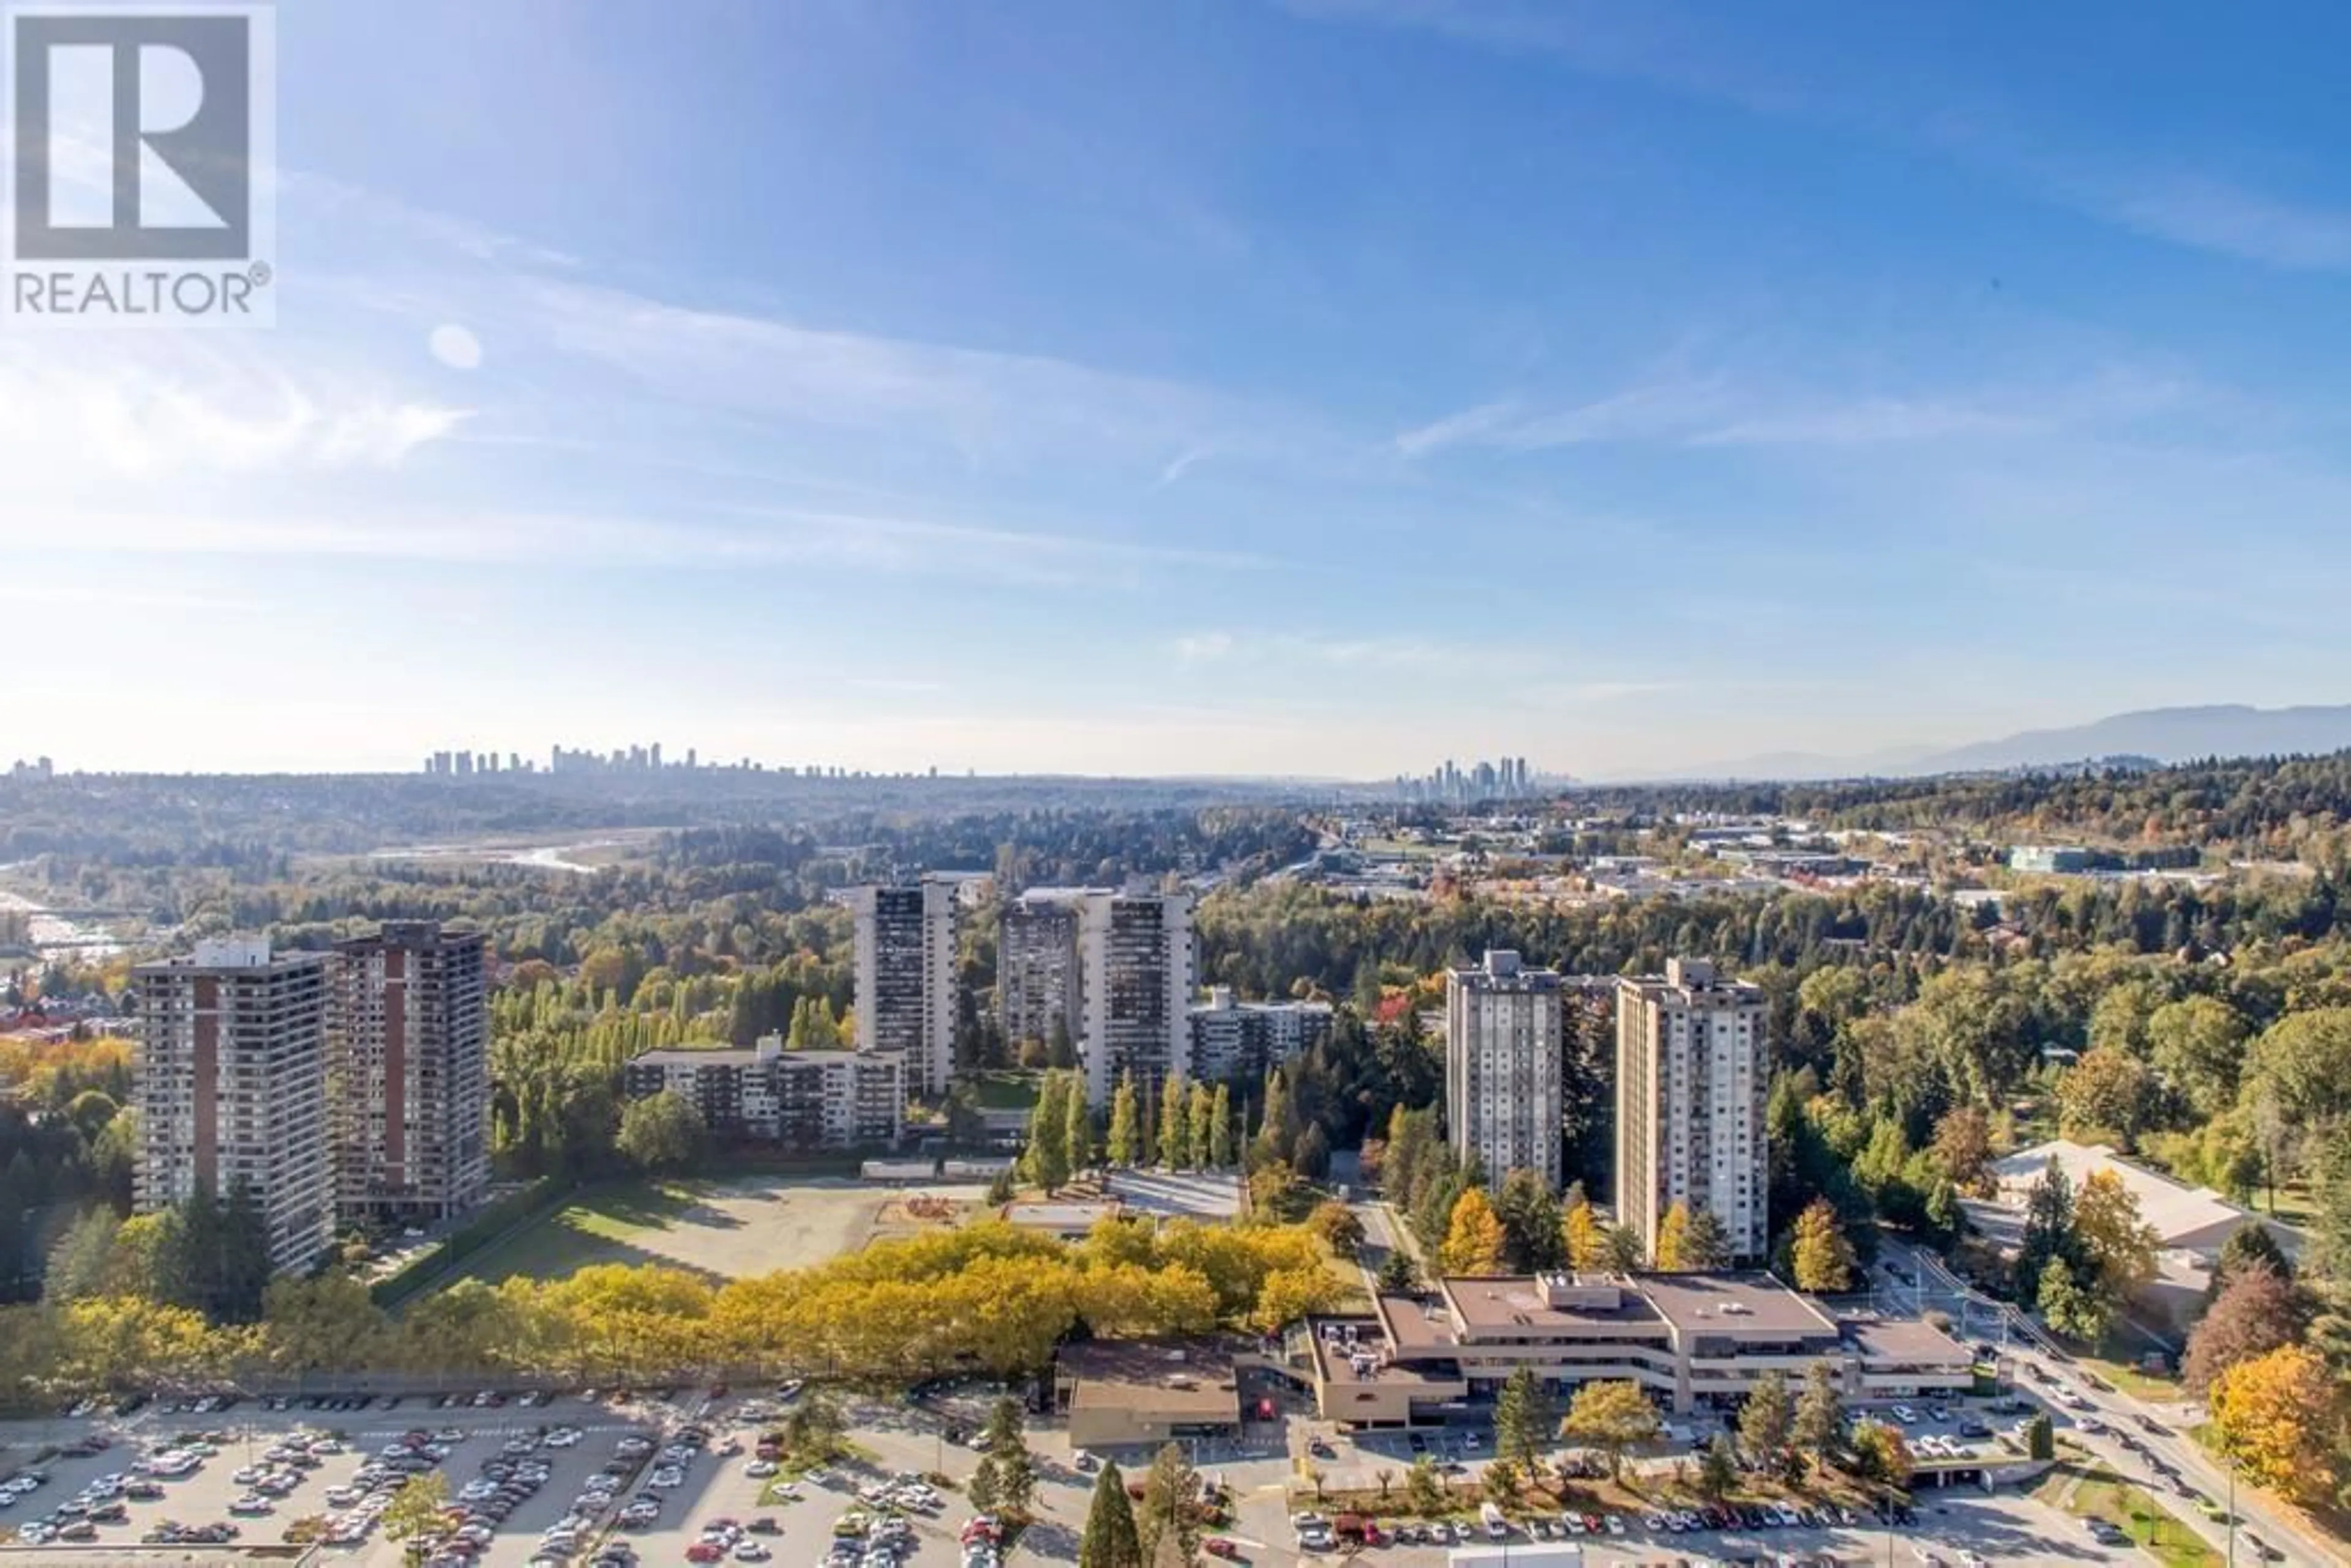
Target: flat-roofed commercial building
{"x": 1690, "y": 1340}
{"x": 1119, "y": 1393}
{"x": 1692, "y": 1077}
{"x": 1502, "y": 1058}
{"x": 230, "y": 1079}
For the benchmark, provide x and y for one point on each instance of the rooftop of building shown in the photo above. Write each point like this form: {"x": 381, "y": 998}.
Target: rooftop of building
{"x": 1905, "y": 1342}
{"x": 1750, "y": 1302}
{"x": 1178, "y": 1379}
{"x": 692, "y": 1056}
{"x": 1529, "y": 1301}
{"x": 1503, "y": 969}
{"x": 1694, "y": 977}
{"x": 228, "y": 954}
{"x": 2173, "y": 1209}
{"x": 1220, "y": 999}
{"x": 751, "y": 1055}
{"x": 1362, "y": 1360}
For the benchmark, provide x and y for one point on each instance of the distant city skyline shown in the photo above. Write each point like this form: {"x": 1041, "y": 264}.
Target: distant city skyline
{"x": 1305, "y": 388}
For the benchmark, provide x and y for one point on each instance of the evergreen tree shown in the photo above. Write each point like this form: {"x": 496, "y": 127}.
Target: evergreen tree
{"x": 1313, "y": 1147}
{"x": 1819, "y": 1429}
{"x": 1704, "y": 1243}
{"x": 2048, "y": 1233}
{"x": 1718, "y": 1470}
{"x": 1110, "y": 1540}
{"x": 1522, "y": 1418}
{"x": 1060, "y": 1051}
{"x": 1534, "y": 1230}
{"x": 1396, "y": 1276}
{"x": 1766, "y": 1421}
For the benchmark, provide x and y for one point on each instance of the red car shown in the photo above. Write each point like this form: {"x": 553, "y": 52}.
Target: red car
{"x": 704, "y": 1551}
{"x": 1217, "y": 1546}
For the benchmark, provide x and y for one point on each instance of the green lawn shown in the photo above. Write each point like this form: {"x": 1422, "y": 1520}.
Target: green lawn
{"x": 2160, "y": 1388}
{"x": 1005, "y": 1091}
{"x": 2101, "y": 1495}
{"x": 596, "y": 1227}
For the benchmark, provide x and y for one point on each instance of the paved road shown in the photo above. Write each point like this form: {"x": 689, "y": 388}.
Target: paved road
{"x": 2118, "y": 1411}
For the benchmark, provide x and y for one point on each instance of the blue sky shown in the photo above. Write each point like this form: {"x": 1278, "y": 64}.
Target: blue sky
{"x": 1319, "y": 388}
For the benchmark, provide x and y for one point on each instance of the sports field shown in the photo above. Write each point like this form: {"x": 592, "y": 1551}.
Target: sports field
{"x": 747, "y": 1224}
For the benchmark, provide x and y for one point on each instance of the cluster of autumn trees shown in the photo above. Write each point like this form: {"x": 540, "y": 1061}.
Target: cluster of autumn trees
{"x": 2272, "y": 1355}
{"x": 988, "y": 1297}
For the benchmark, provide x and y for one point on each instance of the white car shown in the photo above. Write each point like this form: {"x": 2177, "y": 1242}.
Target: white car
{"x": 760, "y": 1469}
{"x": 1903, "y": 1414}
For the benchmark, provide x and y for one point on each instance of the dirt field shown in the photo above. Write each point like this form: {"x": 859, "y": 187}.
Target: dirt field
{"x": 750, "y": 1225}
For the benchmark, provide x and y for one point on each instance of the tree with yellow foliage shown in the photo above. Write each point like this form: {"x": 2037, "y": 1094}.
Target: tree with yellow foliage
{"x": 1587, "y": 1243}
{"x": 1673, "y": 1236}
{"x": 2275, "y": 1415}
{"x": 1819, "y": 1254}
{"x": 1473, "y": 1241}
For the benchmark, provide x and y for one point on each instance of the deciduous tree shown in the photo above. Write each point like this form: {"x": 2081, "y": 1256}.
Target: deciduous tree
{"x": 1611, "y": 1417}
{"x": 2276, "y": 1416}
{"x": 1587, "y": 1244}
{"x": 2257, "y": 1311}
{"x": 1820, "y": 1256}
{"x": 1473, "y": 1241}
{"x": 1673, "y": 1232}
{"x": 1125, "y": 1140}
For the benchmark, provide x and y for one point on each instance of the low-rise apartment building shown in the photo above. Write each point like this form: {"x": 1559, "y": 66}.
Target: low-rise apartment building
{"x": 1690, "y": 1340}
{"x": 800, "y": 1099}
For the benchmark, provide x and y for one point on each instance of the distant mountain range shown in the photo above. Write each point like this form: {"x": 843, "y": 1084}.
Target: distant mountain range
{"x": 2152, "y": 734}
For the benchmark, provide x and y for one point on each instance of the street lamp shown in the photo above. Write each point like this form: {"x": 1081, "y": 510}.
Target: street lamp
{"x": 2233, "y": 1510}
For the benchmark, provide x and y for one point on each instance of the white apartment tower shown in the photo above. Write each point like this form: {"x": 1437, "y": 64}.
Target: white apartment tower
{"x": 1691, "y": 1079}
{"x": 1137, "y": 959}
{"x": 1502, "y": 1048}
{"x": 409, "y": 1068}
{"x": 906, "y": 960}
{"x": 231, "y": 1086}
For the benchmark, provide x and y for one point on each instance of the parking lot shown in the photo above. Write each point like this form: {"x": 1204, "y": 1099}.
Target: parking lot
{"x": 712, "y": 1488}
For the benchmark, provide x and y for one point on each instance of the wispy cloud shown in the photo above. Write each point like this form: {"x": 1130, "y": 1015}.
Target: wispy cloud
{"x": 704, "y": 542}
{"x": 2215, "y": 215}
{"x": 1723, "y": 411}
{"x": 172, "y": 404}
